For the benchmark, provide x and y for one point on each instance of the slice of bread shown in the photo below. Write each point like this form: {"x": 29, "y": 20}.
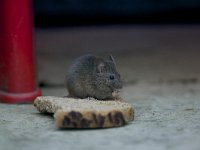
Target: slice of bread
{"x": 85, "y": 113}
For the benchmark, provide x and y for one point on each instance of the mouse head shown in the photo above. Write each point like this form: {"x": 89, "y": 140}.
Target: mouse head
{"x": 107, "y": 73}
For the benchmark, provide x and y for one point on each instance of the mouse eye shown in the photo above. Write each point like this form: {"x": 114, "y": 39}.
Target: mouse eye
{"x": 112, "y": 77}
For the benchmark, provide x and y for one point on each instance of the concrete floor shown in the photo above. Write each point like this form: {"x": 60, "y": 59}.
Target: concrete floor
{"x": 160, "y": 69}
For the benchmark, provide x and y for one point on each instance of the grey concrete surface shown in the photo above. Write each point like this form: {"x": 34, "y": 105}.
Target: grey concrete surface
{"x": 161, "y": 82}
{"x": 167, "y": 117}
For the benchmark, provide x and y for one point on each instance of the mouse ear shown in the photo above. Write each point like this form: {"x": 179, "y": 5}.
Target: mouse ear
{"x": 101, "y": 67}
{"x": 111, "y": 58}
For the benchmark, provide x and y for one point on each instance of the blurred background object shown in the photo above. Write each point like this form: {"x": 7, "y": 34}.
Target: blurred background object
{"x": 77, "y": 12}
{"x": 18, "y": 81}
{"x": 153, "y": 41}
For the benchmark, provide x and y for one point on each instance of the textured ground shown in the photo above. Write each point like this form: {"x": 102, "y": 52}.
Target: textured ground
{"x": 160, "y": 68}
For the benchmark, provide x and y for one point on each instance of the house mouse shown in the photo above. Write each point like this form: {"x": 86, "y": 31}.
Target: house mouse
{"x": 91, "y": 76}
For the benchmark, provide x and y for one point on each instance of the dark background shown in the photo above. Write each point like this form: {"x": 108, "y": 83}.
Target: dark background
{"x": 98, "y": 12}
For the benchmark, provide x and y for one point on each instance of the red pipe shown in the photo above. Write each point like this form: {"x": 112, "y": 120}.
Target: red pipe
{"x": 18, "y": 82}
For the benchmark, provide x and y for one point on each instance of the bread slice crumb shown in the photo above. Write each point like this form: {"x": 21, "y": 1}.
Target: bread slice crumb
{"x": 85, "y": 113}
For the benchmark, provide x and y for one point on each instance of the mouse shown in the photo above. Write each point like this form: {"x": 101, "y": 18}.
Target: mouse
{"x": 93, "y": 76}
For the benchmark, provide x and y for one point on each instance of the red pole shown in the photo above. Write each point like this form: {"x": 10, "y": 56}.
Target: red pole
{"x": 17, "y": 59}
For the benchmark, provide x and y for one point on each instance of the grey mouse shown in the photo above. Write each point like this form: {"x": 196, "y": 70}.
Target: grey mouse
{"x": 91, "y": 76}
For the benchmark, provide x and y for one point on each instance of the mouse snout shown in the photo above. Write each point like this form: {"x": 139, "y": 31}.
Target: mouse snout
{"x": 118, "y": 85}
